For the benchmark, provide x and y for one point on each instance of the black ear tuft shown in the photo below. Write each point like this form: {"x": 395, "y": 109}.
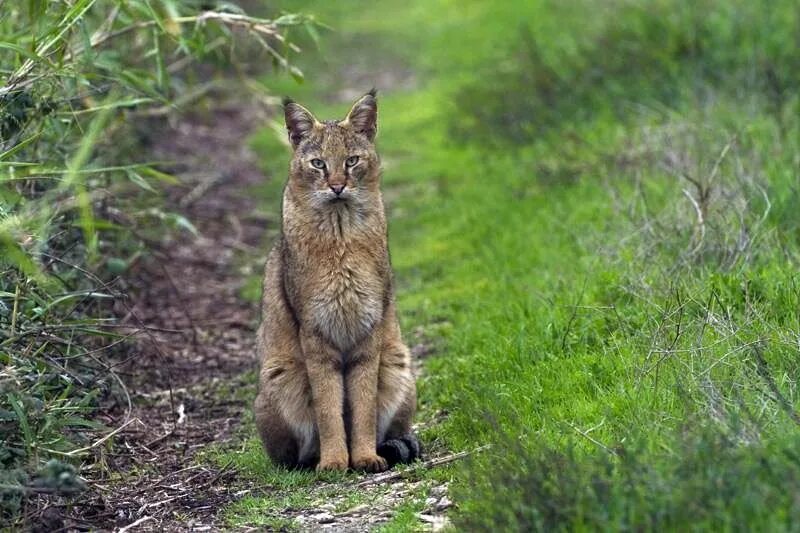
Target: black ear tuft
{"x": 286, "y": 101}
{"x": 363, "y": 116}
{"x": 373, "y": 92}
{"x": 299, "y": 121}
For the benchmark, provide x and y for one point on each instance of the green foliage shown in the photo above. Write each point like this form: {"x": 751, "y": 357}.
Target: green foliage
{"x": 594, "y": 208}
{"x": 652, "y": 54}
{"x": 78, "y": 205}
{"x": 707, "y": 481}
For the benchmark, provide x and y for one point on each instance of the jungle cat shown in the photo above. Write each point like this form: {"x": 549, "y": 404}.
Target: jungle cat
{"x": 336, "y": 386}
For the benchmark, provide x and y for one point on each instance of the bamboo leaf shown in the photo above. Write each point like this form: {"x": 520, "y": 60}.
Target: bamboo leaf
{"x": 19, "y": 146}
{"x": 28, "y": 54}
{"x": 22, "y": 418}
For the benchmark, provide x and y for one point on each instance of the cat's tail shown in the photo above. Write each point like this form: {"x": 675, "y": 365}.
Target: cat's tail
{"x": 404, "y": 449}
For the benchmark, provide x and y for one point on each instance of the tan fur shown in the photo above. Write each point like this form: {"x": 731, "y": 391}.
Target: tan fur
{"x": 336, "y": 378}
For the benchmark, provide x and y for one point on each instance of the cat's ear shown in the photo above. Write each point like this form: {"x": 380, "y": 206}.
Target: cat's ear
{"x": 299, "y": 121}
{"x": 363, "y": 116}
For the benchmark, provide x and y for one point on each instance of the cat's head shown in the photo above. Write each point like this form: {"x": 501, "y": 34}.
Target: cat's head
{"x": 334, "y": 160}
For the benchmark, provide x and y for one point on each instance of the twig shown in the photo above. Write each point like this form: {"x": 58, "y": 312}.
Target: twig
{"x": 159, "y": 439}
{"x": 131, "y": 313}
{"x": 701, "y": 222}
{"x": 14, "y": 311}
{"x": 162, "y": 502}
{"x": 260, "y": 26}
{"x": 101, "y": 441}
{"x": 163, "y": 478}
{"x": 430, "y": 463}
{"x": 188, "y": 97}
{"x": 720, "y": 159}
{"x": 591, "y": 439}
{"x": 203, "y": 186}
{"x": 763, "y": 370}
{"x": 16, "y": 80}
{"x": 219, "y": 474}
{"x": 134, "y": 524}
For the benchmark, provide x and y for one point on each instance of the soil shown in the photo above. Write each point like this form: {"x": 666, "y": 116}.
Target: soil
{"x": 194, "y": 351}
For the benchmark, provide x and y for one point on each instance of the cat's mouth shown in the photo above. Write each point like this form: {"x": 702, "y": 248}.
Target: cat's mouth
{"x": 340, "y": 198}
{"x": 331, "y": 198}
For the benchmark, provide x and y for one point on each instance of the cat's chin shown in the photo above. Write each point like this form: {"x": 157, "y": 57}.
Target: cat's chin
{"x": 339, "y": 200}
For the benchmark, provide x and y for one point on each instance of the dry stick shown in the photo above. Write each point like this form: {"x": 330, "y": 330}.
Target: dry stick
{"x": 102, "y": 440}
{"x": 159, "y": 439}
{"x": 204, "y": 184}
{"x": 163, "y": 478}
{"x": 701, "y": 222}
{"x": 264, "y": 26}
{"x": 430, "y": 463}
{"x": 591, "y": 439}
{"x": 763, "y": 371}
{"x": 161, "y": 502}
{"x": 52, "y": 327}
{"x": 665, "y": 352}
{"x": 227, "y": 468}
{"x": 14, "y": 311}
{"x": 122, "y": 386}
{"x": 186, "y": 98}
{"x": 720, "y": 159}
{"x": 131, "y": 312}
{"x": 102, "y": 364}
{"x": 134, "y": 524}
{"x": 18, "y": 79}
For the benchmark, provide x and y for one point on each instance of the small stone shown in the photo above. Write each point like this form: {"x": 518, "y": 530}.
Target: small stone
{"x": 323, "y": 518}
{"x": 438, "y": 491}
{"x": 430, "y": 502}
{"x": 444, "y": 503}
{"x": 437, "y": 522}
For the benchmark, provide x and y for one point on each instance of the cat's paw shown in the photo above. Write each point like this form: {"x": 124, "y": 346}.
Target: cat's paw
{"x": 370, "y": 463}
{"x": 333, "y": 463}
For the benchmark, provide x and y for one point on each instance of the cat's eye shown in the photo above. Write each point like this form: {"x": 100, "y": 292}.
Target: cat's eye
{"x": 351, "y": 161}
{"x": 318, "y": 163}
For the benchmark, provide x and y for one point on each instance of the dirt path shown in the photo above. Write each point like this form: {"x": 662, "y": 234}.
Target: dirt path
{"x": 184, "y": 374}
{"x": 188, "y": 380}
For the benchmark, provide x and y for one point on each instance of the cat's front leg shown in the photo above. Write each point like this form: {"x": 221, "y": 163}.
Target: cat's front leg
{"x": 324, "y": 367}
{"x": 361, "y": 381}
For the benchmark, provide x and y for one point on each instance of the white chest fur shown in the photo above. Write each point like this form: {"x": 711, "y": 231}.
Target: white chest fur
{"x": 348, "y": 304}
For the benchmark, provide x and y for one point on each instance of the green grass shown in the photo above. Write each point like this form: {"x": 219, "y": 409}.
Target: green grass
{"x": 631, "y": 367}
{"x": 405, "y": 516}
{"x": 80, "y": 204}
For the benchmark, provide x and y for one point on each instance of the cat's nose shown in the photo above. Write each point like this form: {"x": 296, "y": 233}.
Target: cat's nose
{"x": 337, "y": 189}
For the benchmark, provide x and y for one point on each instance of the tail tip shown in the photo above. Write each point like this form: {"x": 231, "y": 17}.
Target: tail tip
{"x": 401, "y": 450}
